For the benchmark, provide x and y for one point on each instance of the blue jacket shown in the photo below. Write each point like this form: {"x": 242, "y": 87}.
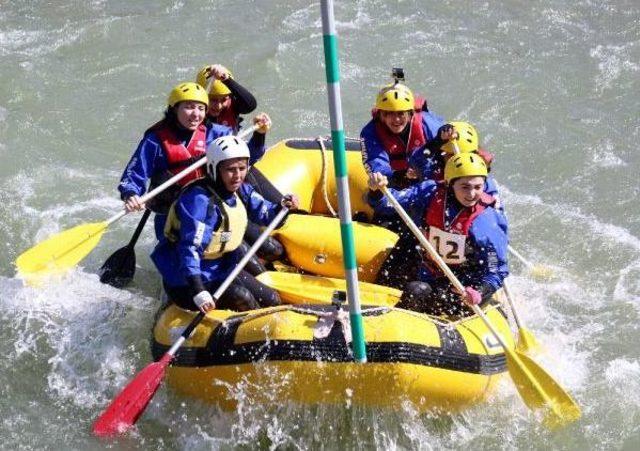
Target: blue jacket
{"x": 149, "y": 158}
{"x": 487, "y": 235}
{"x": 429, "y": 164}
{"x": 198, "y": 219}
{"x": 375, "y": 156}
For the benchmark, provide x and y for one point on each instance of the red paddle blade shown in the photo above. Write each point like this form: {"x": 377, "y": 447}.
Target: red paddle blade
{"x": 125, "y": 409}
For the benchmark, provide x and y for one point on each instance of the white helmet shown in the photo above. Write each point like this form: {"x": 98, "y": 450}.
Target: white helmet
{"x": 225, "y": 148}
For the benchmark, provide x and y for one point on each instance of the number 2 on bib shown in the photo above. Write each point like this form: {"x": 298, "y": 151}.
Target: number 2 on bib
{"x": 450, "y": 246}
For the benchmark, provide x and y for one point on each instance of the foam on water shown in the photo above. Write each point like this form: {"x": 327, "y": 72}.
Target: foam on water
{"x": 605, "y": 156}
{"x": 613, "y": 62}
{"x": 39, "y": 43}
{"x": 627, "y": 288}
{"x": 623, "y": 376}
{"x": 549, "y": 86}
{"x": 76, "y": 328}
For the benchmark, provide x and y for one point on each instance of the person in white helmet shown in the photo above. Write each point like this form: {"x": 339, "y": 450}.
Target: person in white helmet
{"x": 204, "y": 231}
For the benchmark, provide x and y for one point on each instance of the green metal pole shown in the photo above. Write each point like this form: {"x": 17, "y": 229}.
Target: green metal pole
{"x": 340, "y": 166}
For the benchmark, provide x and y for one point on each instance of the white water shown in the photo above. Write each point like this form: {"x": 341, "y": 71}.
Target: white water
{"x": 552, "y": 88}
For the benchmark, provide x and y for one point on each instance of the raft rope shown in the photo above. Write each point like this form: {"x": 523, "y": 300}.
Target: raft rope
{"x": 323, "y": 181}
{"x": 304, "y": 311}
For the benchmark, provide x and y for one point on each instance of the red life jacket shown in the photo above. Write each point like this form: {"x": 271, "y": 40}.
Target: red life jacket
{"x": 227, "y": 117}
{"x": 420, "y": 103}
{"x": 449, "y": 240}
{"x": 180, "y": 157}
{"x": 486, "y": 156}
{"x": 398, "y": 151}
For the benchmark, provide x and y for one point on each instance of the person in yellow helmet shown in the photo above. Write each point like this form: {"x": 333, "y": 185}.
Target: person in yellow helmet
{"x": 169, "y": 146}
{"x": 461, "y": 222}
{"x": 453, "y": 137}
{"x": 399, "y": 126}
{"x": 228, "y": 99}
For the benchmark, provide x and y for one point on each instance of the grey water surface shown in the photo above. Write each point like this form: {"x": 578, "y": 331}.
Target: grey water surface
{"x": 553, "y": 88}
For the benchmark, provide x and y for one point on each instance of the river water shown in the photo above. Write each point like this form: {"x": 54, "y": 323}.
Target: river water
{"x": 551, "y": 86}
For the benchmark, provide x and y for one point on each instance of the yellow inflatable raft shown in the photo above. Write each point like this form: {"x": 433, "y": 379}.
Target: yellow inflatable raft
{"x": 299, "y": 351}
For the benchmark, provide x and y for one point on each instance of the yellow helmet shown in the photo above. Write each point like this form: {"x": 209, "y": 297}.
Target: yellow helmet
{"x": 187, "y": 91}
{"x": 465, "y": 165}
{"x": 217, "y": 87}
{"x": 467, "y": 140}
{"x": 396, "y": 97}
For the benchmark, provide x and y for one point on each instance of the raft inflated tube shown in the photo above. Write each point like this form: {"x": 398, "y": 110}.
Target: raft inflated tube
{"x": 300, "y": 354}
{"x": 297, "y": 165}
{"x": 305, "y": 289}
{"x": 313, "y": 243}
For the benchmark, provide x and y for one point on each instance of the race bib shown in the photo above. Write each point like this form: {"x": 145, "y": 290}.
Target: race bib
{"x": 450, "y": 246}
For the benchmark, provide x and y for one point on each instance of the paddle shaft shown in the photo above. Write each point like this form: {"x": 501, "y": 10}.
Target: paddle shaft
{"x": 423, "y": 240}
{"x": 507, "y": 291}
{"x": 138, "y": 231}
{"x": 519, "y": 256}
{"x": 179, "y": 176}
{"x": 221, "y": 289}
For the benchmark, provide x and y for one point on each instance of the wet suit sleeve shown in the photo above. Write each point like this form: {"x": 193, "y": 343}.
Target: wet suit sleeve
{"x": 145, "y": 161}
{"x": 243, "y": 101}
{"x": 491, "y": 188}
{"x": 374, "y": 156}
{"x": 259, "y": 209}
{"x": 197, "y": 221}
{"x": 427, "y": 158}
{"x": 256, "y": 146}
{"x": 431, "y": 122}
{"x": 489, "y": 234}
{"x": 216, "y": 131}
{"x": 426, "y": 161}
{"x": 413, "y": 199}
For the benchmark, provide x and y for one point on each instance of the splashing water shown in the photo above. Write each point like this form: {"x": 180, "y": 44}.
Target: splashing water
{"x": 553, "y": 90}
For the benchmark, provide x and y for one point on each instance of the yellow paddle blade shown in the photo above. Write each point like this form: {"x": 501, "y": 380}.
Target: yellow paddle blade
{"x": 526, "y": 341}
{"x": 61, "y": 251}
{"x": 305, "y": 289}
{"x": 542, "y": 272}
{"x": 539, "y": 390}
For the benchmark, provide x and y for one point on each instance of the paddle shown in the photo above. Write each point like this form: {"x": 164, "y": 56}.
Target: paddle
{"x": 125, "y": 409}
{"x": 526, "y": 341}
{"x": 66, "y": 249}
{"x": 537, "y": 388}
{"x": 118, "y": 270}
{"x": 540, "y": 272}
{"x": 306, "y": 289}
